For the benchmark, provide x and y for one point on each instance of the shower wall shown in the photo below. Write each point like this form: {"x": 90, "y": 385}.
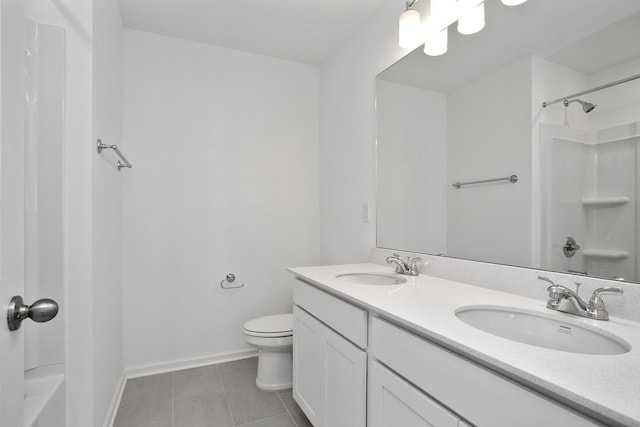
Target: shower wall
{"x": 591, "y": 195}
{"x": 589, "y": 171}
{"x": 225, "y": 180}
{"x": 612, "y": 226}
{"x": 44, "y": 148}
{"x": 566, "y": 161}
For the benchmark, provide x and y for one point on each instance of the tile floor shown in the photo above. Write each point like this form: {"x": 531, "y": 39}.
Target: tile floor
{"x": 223, "y": 395}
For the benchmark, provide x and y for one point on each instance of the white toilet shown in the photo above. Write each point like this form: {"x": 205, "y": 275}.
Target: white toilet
{"x": 273, "y": 336}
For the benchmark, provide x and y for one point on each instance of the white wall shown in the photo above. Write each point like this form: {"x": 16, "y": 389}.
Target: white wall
{"x": 490, "y": 137}
{"x": 347, "y": 126}
{"x": 617, "y": 105}
{"x": 224, "y": 147}
{"x": 108, "y": 352}
{"x": 412, "y": 130}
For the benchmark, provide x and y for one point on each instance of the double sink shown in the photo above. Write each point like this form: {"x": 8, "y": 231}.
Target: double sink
{"x": 529, "y": 327}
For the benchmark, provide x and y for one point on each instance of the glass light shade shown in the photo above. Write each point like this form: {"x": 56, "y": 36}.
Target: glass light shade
{"x": 409, "y": 29}
{"x": 512, "y": 2}
{"x": 437, "y": 45}
{"x": 472, "y": 21}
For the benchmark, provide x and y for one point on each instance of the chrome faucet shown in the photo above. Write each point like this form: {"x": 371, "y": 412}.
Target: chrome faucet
{"x": 404, "y": 267}
{"x": 564, "y": 299}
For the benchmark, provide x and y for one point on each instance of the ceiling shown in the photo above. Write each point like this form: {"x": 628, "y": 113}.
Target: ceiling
{"x": 300, "y": 31}
{"x": 588, "y": 35}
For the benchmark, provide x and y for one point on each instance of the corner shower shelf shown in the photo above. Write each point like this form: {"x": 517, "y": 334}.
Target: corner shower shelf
{"x": 605, "y": 253}
{"x": 605, "y": 201}
{"x": 621, "y": 139}
{"x": 40, "y": 385}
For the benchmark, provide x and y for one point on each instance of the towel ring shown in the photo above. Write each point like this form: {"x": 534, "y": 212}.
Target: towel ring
{"x": 229, "y": 279}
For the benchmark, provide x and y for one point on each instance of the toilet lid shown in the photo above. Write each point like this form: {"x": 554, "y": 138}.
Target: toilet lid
{"x": 278, "y": 325}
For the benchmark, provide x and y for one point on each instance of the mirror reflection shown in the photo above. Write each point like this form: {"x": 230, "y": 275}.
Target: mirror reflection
{"x": 476, "y": 114}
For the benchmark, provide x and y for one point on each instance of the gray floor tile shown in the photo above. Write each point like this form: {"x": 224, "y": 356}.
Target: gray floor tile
{"x": 296, "y": 413}
{"x": 239, "y": 374}
{"x": 202, "y": 411}
{"x": 250, "y": 404}
{"x": 138, "y": 387}
{"x": 197, "y": 381}
{"x": 212, "y": 396}
{"x": 159, "y": 424}
{"x": 145, "y": 400}
{"x": 279, "y": 421}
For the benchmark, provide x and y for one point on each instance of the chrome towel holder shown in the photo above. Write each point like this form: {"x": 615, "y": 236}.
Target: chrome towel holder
{"x": 230, "y": 279}
{"x": 122, "y": 163}
{"x": 512, "y": 179}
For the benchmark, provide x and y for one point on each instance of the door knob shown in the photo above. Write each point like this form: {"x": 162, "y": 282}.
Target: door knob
{"x": 40, "y": 311}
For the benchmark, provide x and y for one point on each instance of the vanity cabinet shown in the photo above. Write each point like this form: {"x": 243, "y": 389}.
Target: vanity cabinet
{"x": 412, "y": 381}
{"x": 329, "y": 370}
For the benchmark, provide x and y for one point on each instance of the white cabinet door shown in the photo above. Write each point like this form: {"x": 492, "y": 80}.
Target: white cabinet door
{"x": 394, "y": 402}
{"x": 329, "y": 374}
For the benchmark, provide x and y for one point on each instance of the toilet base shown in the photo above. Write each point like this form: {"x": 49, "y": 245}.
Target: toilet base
{"x": 275, "y": 370}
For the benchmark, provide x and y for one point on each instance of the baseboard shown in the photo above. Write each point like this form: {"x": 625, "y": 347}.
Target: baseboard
{"x": 176, "y": 365}
{"x": 115, "y": 402}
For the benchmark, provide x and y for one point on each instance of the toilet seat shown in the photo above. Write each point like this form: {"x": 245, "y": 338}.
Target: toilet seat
{"x": 279, "y": 325}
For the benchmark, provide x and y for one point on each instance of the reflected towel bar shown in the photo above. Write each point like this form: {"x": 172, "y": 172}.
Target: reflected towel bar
{"x": 512, "y": 179}
{"x": 121, "y": 164}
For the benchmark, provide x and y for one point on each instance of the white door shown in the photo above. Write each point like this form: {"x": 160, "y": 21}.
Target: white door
{"x": 11, "y": 206}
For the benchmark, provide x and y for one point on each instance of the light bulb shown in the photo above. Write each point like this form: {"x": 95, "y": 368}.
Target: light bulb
{"x": 409, "y": 29}
{"x": 512, "y": 2}
{"x": 437, "y": 44}
{"x": 472, "y": 21}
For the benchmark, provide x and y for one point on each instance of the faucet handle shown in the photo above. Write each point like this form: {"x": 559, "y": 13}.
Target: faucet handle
{"x": 413, "y": 268}
{"x": 556, "y": 292}
{"x": 610, "y": 290}
{"x": 596, "y": 309}
{"x": 548, "y": 280}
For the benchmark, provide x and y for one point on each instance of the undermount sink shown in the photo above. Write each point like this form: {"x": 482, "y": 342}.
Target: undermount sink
{"x": 540, "y": 330}
{"x": 369, "y": 278}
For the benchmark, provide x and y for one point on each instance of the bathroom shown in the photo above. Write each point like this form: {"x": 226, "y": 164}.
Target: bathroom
{"x": 245, "y": 161}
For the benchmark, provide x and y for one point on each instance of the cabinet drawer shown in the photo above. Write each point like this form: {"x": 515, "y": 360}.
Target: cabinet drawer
{"x": 394, "y": 402}
{"x": 344, "y": 318}
{"x": 481, "y": 396}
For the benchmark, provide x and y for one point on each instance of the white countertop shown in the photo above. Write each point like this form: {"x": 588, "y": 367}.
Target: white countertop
{"x": 608, "y": 385}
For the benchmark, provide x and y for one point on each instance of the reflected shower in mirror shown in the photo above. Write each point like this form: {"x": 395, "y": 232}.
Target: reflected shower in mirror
{"x": 475, "y": 116}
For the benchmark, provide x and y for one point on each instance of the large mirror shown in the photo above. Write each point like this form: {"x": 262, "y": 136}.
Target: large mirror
{"x": 476, "y": 113}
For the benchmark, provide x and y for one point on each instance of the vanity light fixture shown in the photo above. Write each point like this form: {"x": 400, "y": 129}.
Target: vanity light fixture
{"x": 436, "y": 44}
{"x": 409, "y": 27}
{"x": 472, "y": 21}
{"x": 435, "y": 32}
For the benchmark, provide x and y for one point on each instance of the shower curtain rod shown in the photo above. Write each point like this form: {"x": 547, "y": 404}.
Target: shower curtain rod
{"x": 584, "y": 92}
